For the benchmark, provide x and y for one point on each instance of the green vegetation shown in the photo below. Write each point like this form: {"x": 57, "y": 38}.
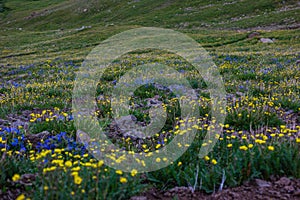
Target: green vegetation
{"x": 43, "y": 44}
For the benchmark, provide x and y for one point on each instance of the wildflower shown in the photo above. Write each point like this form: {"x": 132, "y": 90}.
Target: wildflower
{"x": 157, "y": 159}
{"x": 214, "y": 162}
{"x": 75, "y": 168}
{"x": 260, "y": 141}
{"x": 282, "y": 126}
{"x": 77, "y": 180}
{"x": 119, "y": 172}
{"x": 21, "y": 197}
{"x": 46, "y": 188}
{"x": 74, "y": 174}
{"x": 179, "y": 164}
{"x": 100, "y": 163}
{"x": 16, "y": 177}
{"x": 298, "y": 140}
{"x": 271, "y": 148}
{"x": 244, "y": 148}
{"x": 250, "y": 146}
{"x": 123, "y": 180}
{"x": 206, "y": 158}
{"x": 134, "y": 172}
{"x": 68, "y": 163}
{"x": 229, "y": 145}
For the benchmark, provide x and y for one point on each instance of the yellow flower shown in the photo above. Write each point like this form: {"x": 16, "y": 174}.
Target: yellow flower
{"x": 206, "y": 158}
{"x": 244, "y": 148}
{"x": 100, "y": 163}
{"x": 46, "y": 188}
{"x": 157, "y": 160}
{"x": 298, "y": 140}
{"x": 134, "y": 172}
{"x": 123, "y": 180}
{"x": 119, "y": 172}
{"x": 179, "y": 164}
{"x": 250, "y": 146}
{"x": 16, "y": 177}
{"x": 260, "y": 141}
{"x": 75, "y": 168}
{"x": 68, "y": 163}
{"x": 271, "y": 148}
{"x": 77, "y": 180}
{"x": 21, "y": 197}
{"x": 214, "y": 162}
{"x": 229, "y": 145}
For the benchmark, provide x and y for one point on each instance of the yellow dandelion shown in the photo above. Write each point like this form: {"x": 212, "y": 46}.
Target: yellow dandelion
{"x": 68, "y": 163}
{"x": 77, "y": 180}
{"x": 214, "y": 162}
{"x": 244, "y": 148}
{"x": 123, "y": 180}
{"x": 16, "y": 177}
{"x": 134, "y": 172}
{"x": 271, "y": 148}
{"x": 21, "y": 197}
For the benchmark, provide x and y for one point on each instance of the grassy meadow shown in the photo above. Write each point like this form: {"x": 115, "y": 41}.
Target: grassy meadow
{"x": 43, "y": 44}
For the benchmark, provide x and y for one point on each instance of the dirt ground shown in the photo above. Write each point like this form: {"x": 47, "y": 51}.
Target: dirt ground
{"x": 276, "y": 188}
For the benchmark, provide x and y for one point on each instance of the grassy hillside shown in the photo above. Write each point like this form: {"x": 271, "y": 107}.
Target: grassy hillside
{"x": 42, "y": 46}
{"x": 39, "y": 30}
{"x": 58, "y": 14}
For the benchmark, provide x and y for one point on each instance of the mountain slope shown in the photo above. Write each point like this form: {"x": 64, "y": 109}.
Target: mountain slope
{"x": 61, "y": 14}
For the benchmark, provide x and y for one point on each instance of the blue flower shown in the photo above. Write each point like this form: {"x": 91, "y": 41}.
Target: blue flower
{"x": 15, "y": 142}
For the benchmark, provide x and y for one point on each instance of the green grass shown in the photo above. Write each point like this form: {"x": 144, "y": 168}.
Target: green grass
{"x": 41, "y": 50}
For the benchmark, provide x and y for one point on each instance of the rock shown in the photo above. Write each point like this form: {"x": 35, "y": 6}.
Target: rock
{"x": 36, "y": 138}
{"x": 82, "y": 28}
{"x": 289, "y": 189}
{"x": 27, "y": 179}
{"x": 284, "y": 181}
{"x": 266, "y": 40}
{"x": 160, "y": 87}
{"x": 82, "y": 137}
{"x": 253, "y": 34}
{"x": 297, "y": 193}
{"x": 262, "y": 183}
{"x": 154, "y": 101}
{"x": 139, "y": 198}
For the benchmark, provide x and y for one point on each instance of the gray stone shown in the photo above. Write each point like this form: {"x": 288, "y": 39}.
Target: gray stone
{"x": 253, "y": 34}
{"x": 266, "y": 40}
